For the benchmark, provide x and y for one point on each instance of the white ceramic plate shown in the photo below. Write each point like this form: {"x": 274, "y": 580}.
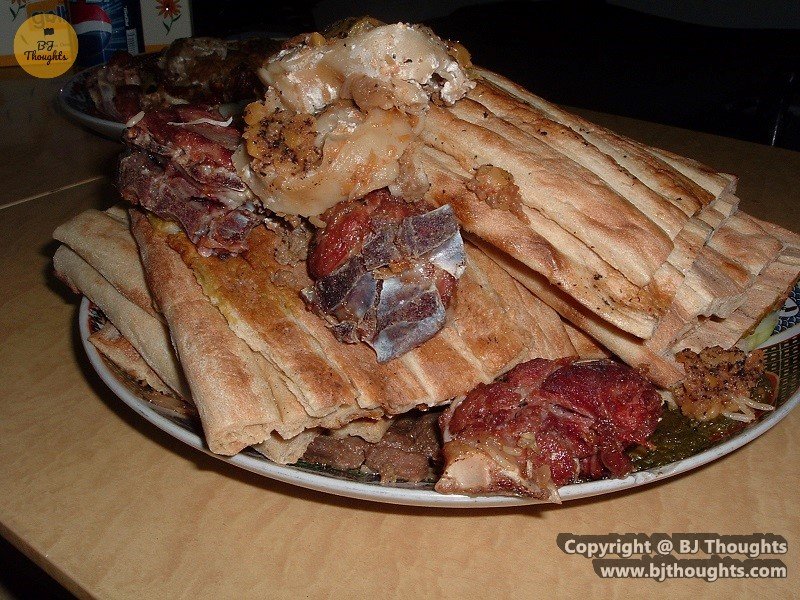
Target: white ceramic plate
{"x": 79, "y": 107}
{"x": 784, "y": 353}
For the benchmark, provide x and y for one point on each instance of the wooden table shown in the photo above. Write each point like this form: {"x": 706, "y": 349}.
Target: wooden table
{"x": 40, "y": 152}
{"x": 114, "y": 508}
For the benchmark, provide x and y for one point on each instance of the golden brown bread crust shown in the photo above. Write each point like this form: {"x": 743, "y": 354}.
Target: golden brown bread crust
{"x": 271, "y": 317}
{"x": 717, "y": 184}
{"x": 232, "y": 398}
{"x": 567, "y": 196}
{"x": 486, "y": 334}
{"x": 562, "y": 259}
{"x": 710, "y": 260}
{"x": 746, "y": 242}
{"x": 634, "y": 157}
{"x": 243, "y": 394}
{"x": 499, "y": 104}
{"x": 767, "y": 294}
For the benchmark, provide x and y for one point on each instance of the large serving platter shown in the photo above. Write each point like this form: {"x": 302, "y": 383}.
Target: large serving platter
{"x": 782, "y": 354}
{"x": 78, "y": 106}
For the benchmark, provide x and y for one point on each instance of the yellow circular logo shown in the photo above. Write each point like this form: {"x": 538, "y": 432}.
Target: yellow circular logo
{"x": 45, "y": 45}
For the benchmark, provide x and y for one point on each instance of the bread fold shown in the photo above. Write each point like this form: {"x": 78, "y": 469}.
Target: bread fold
{"x": 227, "y": 387}
{"x": 148, "y": 335}
{"x": 116, "y": 347}
{"x": 106, "y": 243}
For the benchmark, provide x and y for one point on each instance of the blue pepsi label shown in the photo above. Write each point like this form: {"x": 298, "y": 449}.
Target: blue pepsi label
{"x": 105, "y": 27}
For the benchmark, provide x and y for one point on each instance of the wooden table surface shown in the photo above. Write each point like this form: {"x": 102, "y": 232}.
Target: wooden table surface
{"x": 41, "y": 153}
{"x": 114, "y": 508}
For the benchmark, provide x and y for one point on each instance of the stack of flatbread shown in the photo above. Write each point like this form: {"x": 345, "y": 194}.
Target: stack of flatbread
{"x": 643, "y": 250}
{"x": 580, "y": 242}
{"x": 234, "y": 337}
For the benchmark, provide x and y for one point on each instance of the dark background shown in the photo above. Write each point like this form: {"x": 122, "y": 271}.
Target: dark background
{"x": 722, "y": 66}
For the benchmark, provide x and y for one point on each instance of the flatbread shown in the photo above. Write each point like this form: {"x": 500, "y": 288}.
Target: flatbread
{"x": 569, "y": 195}
{"x": 106, "y": 244}
{"x": 562, "y": 259}
{"x": 286, "y": 452}
{"x": 662, "y": 370}
{"x": 231, "y": 395}
{"x": 488, "y": 332}
{"x": 115, "y": 347}
{"x": 148, "y": 335}
{"x": 636, "y": 158}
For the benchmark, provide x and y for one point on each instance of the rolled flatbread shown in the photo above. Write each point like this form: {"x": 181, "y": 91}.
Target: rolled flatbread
{"x": 148, "y": 335}
{"x": 107, "y": 245}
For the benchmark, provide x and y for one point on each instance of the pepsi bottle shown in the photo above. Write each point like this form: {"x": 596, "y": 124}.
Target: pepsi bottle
{"x": 105, "y": 27}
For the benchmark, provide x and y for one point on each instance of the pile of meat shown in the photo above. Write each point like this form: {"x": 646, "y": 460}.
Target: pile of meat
{"x": 546, "y": 424}
{"x": 179, "y": 167}
{"x": 385, "y": 271}
{"x": 202, "y": 70}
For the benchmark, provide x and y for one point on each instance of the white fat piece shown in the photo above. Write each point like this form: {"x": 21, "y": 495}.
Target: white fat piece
{"x": 409, "y": 61}
{"x": 202, "y": 121}
{"x": 390, "y": 74}
{"x": 355, "y": 161}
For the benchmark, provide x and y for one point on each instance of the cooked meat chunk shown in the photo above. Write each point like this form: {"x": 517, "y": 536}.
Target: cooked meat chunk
{"x": 385, "y": 271}
{"x": 179, "y": 167}
{"x": 408, "y": 451}
{"x": 546, "y": 424}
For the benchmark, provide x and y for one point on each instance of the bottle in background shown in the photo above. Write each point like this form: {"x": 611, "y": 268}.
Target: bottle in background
{"x": 105, "y": 27}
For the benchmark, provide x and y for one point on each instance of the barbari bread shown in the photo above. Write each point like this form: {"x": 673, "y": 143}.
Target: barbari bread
{"x": 495, "y": 323}
{"x": 391, "y": 228}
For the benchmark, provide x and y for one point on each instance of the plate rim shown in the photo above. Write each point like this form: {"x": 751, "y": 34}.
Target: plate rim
{"x": 106, "y": 127}
{"x": 376, "y": 492}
